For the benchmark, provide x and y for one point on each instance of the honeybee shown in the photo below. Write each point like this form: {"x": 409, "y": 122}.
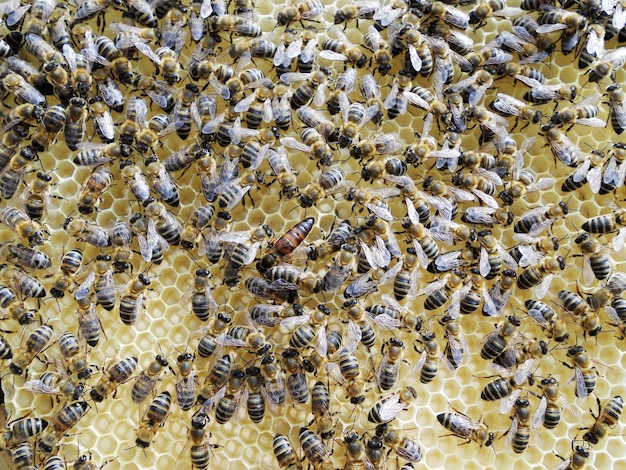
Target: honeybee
{"x": 89, "y": 325}
{"x": 21, "y": 430}
{"x": 329, "y": 182}
{"x": 153, "y": 419}
{"x": 87, "y": 232}
{"x": 75, "y": 355}
{"x": 607, "y": 64}
{"x": 389, "y": 368}
{"x": 608, "y": 417}
{"x": 604, "y": 295}
{"x": 583, "y": 113}
{"x": 32, "y": 345}
{"x": 281, "y": 167}
{"x": 496, "y": 341}
{"x": 311, "y": 142}
{"x": 287, "y": 243}
{"x": 342, "y": 49}
{"x": 23, "y": 257}
{"x": 500, "y": 293}
{"x": 11, "y": 176}
{"x": 518, "y": 435}
{"x": 185, "y": 381}
{"x": 313, "y": 88}
{"x": 132, "y": 303}
{"x": 314, "y": 449}
{"x": 15, "y": 84}
{"x": 463, "y": 426}
{"x": 405, "y": 446}
{"x": 21, "y": 282}
{"x": 21, "y": 224}
{"x": 284, "y": 453}
{"x": 585, "y": 371}
{"x": 93, "y": 187}
{"x": 115, "y": 375}
{"x": 576, "y": 461}
{"x": 165, "y": 224}
{"x": 23, "y": 455}
{"x": 199, "y": 449}
{"x": 456, "y": 345}
{"x": 441, "y": 291}
{"x": 64, "y": 419}
{"x": 289, "y": 275}
{"x": 551, "y": 405}
{"x": 537, "y": 220}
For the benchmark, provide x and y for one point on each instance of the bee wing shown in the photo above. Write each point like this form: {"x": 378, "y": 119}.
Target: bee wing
{"x": 422, "y": 257}
{"x": 581, "y": 388}
{"x": 154, "y": 238}
{"x": 456, "y": 351}
{"x": 543, "y": 287}
{"x": 308, "y": 51}
{"x": 435, "y": 285}
{"x": 550, "y": 28}
{"x": 507, "y": 403}
{"x": 353, "y": 336}
{"x": 321, "y": 346}
{"x": 591, "y": 122}
{"x": 523, "y": 371}
{"x": 390, "y": 409}
{"x": 292, "y": 322}
{"x": 618, "y": 241}
{"x": 441, "y": 204}
{"x": 416, "y": 60}
{"x": 511, "y": 433}
{"x": 454, "y": 309}
{"x": 243, "y": 105}
{"x": 540, "y": 412}
{"x": 390, "y": 274}
{"x": 390, "y": 100}
{"x": 420, "y": 363}
{"x": 588, "y": 275}
{"x": 479, "y": 215}
{"x": 85, "y": 286}
{"x": 489, "y": 305}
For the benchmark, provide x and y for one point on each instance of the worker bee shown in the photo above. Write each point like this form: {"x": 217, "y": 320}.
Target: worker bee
{"x": 607, "y": 64}
{"x": 608, "y": 417}
{"x": 232, "y": 401}
{"x": 153, "y": 419}
{"x": 115, "y": 375}
{"x": 21, "y": 282}
{"x": 11, "y": 176}
{"x": 132, "y": 303}
{"x": 23, "y": 257}
{"x": 73, "y": 351}
{"x": 281, "y": 167}
{"x": 463, "y": 426}
{"x": 329, "y": 182}
{"x": 284, "y": 453}
{"x": 456, "y": 344}
{"x": 162, "y": 182}
{"x": 389, "y": 368}
{"x": 15, "y": 84}
{"x": 401, "y": 95}
{"x": 202, "y": 302}
{"x": 576, "y": 461}
{"x": 199, "y": 449}
{"x": 340, "y": 270}
{"x": 87, "y": 232}
{"x": 21, "y": 430}
{"x": 428, "y": 363}
{"x": 584, "y": 113}
{"x": 537, "y": 220}
{"x": 441, "y": 291}
{"x": 32, "y": 345}
{"x": 64, "y": 419}
{"x": 311, "y": 90}
{"x": 311, "y": 142}
{"x": 314, "y": 449}
{"x": 23, "y": 455}
{"x": 585, "y": 371}
{"x": 514, "y": 107}
{"x": 551, "y": 405}
{"x": 541, "y": 274}
{"x": 185, "y": 381}
{"x": 605, "y": 223}
{"x": 405, "y": 446}
{"x": 165, "y": 224}
{"x": 590, "y": 170}
{"x": 355, "y": 11}
{"x": 93, "y": 188}
{"x": 89, "y": 325}
{"x": 547, "y": 319}
{"x": 21, "y": 223}
{"x": 500, "y": 293}
{"x": 495, "y": 342}
{"x": 237, "y": 25}
{"x": 342, "y": 49}
{"x": 518, "y": 435}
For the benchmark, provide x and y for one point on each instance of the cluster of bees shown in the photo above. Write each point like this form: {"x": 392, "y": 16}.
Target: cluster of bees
{"x": 337, "y": 257}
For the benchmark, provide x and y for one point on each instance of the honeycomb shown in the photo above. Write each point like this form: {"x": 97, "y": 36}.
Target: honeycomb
{"x": 167, "y": 326}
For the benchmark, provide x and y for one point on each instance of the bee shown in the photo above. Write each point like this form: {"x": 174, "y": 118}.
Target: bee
{"x": 64, "y": 419}
{"x": 608, "y": 417}
{"x": 153, "y": 419}
{"x": 428, "y": 363}
{"x": 374, "y": 200}
{"x": 11, "y": 176}
{"x": 257, "y": 107}
{"x": 514, "y": 107}
{"x": 303, "y": 10}
{"x": 199, "y": 449}
{"x": 89, "y": 325}
{"x": 76, "y": 118}
{"x": 617, "y": 111}
{"x": 541, "y": 274}
{"x": 545, "y": 317}
{"x": 577, "y": 460}
{"x": 584, "y": 113}
{"x": 518, "y": 435}
{"x": 97, "y": 183}
{"x": 389, "y": 368}
{"x": 15, "y": 84}
{"x": 401, "y": 95}
{"x": 162, "y": 182}
{"x": 115, "y": 375}
{"x": 607, "y": 64}
{"x": 314, "y": 449}
{"x": 562, "y": 147}
{"x": 290, "y": 275}
{"x": 24, "y": 257}
{"x": 13, "y": 309}
{"x": 235, "y": 25}
{"x": 456, "y": 344}
{"x": 311, "y": 90}
{"x": 284, "y": 453}
{"x": 247, "y": 244}
{"x": 57, "y": 382}
{"x": 202, "y": 303}
{"x": 255, "y": 402}
{"x": 296, "y": 381}
{"x": 495, "y": 342}
{"x": 595, "y": 261}
{"x": 281, "y": 167}
{"x": 311, "y": 142}
{"x": 275, "y": 390}
{"x": 23, "y": 455}
{"x": 87, "y": 232}
{"x": 356, "y": 456}
{"x": 20, "y": 281}
{"x": 21, "y": 224}
{"x": 52, "y": 122}
{"x": 232, "y": 401}
{"x": 21, "y": 430}
{"x": 463, "y": 426}
{"x": 185, "y": 381}
{"x": 287, "y": 243}
{"x": 329, "y": 182}
{"x": 605, "y": 223}
{"x": 602, "y": 296}
{"x": 166, "y": 225}
{"x": 342, "y": 49}
{"x": 315, "y": 119}
{"x": 32, "y": 345}
{"x": 537, "y": 220}
{"x": 320, "y": 407}
{"x": 355, "y": 11}
{"x": 132, "y": 303}
{"x": 584, "y": 371}
{"x": 549, "y": 410}
{"x": 340, "y": 270}
{"x": 405, "y": 446}
{"x": 75, "y": 355}
{"x": 615, "y": 170}
{"x": 440, "y": 292}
